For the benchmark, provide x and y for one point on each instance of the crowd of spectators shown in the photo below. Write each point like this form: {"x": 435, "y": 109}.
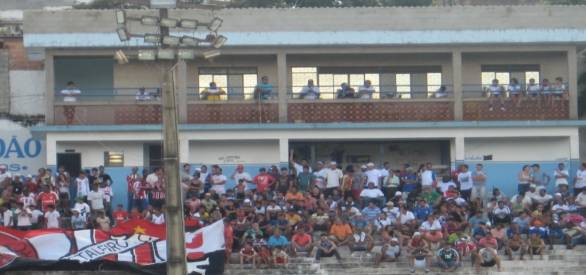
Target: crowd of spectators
{"x": 432, "y": 217}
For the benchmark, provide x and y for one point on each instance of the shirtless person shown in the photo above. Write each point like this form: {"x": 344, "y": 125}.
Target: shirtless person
{"x": 516, "y": 244}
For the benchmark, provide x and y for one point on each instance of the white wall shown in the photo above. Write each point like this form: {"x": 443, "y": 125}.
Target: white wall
{"x": 518, "y": 149}
{"x": 92, "y": 153}
{"x": 231, "y": 152}
{"x": 27, "y": 92}
{"x": 19, "y": 151}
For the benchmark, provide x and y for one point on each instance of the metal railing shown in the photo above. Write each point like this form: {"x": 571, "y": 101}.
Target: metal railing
{"x": 375, "y": 92}
{"x": 483, "y": 90}
{"x": 145, "y": 94}
{"x": 231, "y": 93}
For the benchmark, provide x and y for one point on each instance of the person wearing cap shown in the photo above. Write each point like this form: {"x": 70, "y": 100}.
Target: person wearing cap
{"x": 448, "y": 258}
{"x": 333, "y": 178}
{"x": 390, "y": 251}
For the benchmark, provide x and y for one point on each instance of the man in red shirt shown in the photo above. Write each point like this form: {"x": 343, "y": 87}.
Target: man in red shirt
{"x": 120, "y": 215}
{"x": 263, "y": 180}
{"x": 130, "y": 179}
{"x": 301, "y": 242}
{"x": 47, "y": 197}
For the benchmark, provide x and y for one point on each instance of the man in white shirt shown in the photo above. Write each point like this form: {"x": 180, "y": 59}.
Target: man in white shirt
{"x": 580, "y": 180}
{"x": 96, "y": 199}
{"x": 365, "y": 91}
{"x": 83, "y": 185}
{"x": 466, "y": 183}
{"x": 52, "y": 217}
{"x": 70, "y": 94}
{"x": 310, "y": 91}
{"x": 4, "y": 175}
{"x": 581, "y": 202}
{"x": 218, "y": 180}
{"x": 561, "y": 175}
{"x": 372, "y": 194}
{"x": 333, "y": 178}
{"x": 542, "y": 197}
{"x": 427, "y": 176}
{"x": 372, "y": 174}
{"x": 240, "y": 174}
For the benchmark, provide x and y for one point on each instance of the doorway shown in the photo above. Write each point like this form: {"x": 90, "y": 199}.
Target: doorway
{"x": 71, "y": 162}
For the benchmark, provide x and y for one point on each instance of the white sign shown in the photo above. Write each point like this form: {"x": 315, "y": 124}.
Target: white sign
{"x": 19, "y": 151}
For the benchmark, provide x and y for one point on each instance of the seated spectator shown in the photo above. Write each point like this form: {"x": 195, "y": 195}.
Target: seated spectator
{"x": 280, "y": 257}
{"x": 212, "y": 93}
{"x": 157, "y": 216}
{"x": 143, "y": 95}
{"x": 514, "y": 90}
{"x": 516, "y": 244}
{"x": 372, "y": 194}
{"x": 496, "y": 92}
{"x": 558, "y": 92}
{"x": 345, "y": 91}
{"x": 405, "y": 216}
{"x": 390, "y": 251}
{"x": 263, "y": 90}
{"x": 434, "y": 238}
{"x": 442, "y": 92}
{"x": 383, "y": 221}
{"x": 341, "y": 232}
{"x": 320, "y": 220}
{"x": 542, "y": 197}
{"x": 487, "y": 257}
{"x": 248, "y": 255}
{"x": 277, "y": 240}
{"x": 366, "y": 91}
{"x": 301, "y": 242}
{"x": 536, "y": 245}
{"x": 420, "y": 256}
{"x": 448, "y": 258}
{"x": 422, "y": 210}
{"x": 534, "y": 91}
{"x": 430, "y": 223}
{"x": 120, "y": 215}
{"x": 361, "y": 241}
{"x": 326, "y": 248}
{"x": 103, "y": 222}
{"x": 574, "y": 233}
{"x": 310, "y": 91}
{"x": 501, "y": 214}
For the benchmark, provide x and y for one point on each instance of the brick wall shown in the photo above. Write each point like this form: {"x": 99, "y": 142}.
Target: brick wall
{"x": 18, "y": 58}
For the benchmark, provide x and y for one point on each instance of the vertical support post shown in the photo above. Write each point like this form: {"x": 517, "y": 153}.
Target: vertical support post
{"x": 180, "y": 76}
{"x": 51, "y": 150}
{"x": 282, "y": 86}
{"x": 459, "y": 148}
{"x": 283, "y": 150}
{"x": 573, "y": 82}
{"x": 457, "y": 84}
{"x": 49, "y": 88}
{"x": 183, "y": 150}
{"x": 176, "y": 261}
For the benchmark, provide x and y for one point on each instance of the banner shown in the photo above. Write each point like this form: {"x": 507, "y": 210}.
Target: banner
{"x": 137, "y": 246}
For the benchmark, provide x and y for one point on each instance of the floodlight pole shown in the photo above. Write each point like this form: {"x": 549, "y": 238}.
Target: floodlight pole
{"x": 176, "y": 261}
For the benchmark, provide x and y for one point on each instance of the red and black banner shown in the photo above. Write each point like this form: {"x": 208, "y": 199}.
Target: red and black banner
{"x": 135, "y": 246}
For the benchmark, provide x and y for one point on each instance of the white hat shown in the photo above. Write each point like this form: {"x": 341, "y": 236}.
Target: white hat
{"x": 363, "y": 167}
{"x": 75, "y": 209}
{"x": 394, "y": 240}
{"x": 333, "y": 162}
{"x": 416, "y": 234}
{"x": 398, "y": 193}
{"x": 558, "y": 194}
{"x": 246, "y": 200}
{"x": 370, "y": 164}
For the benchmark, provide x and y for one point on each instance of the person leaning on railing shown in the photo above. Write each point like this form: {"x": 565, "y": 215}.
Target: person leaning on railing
{"x": 534, "y": 91}
{"x": 70, "y": 94}
{"x": 514, "y": 90}
{"x": 365, "y": 91}
{"x": 345, "y": 91}
{"x": 264, "y": 89}
{"x": 143, "y": 95}
{"x": 310, "y": 91}
{"x": 212, "y": 93}
{"x": 496, "y": 92}
{"x": 559, "y": 91}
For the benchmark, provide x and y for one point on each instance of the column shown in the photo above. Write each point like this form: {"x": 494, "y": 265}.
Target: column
{"x": 282, "y": 86}
{"x": 459, "y": 149}
{"x": 573, "y": 82}
{"x": 49, "y": 90}
{"x": 575, "y": 145}
{"x": 457, "y": 84}
{"x": 180, "y": 84}
{"x": 284, "y": 150}
{"x": 51, "y": 150}
{"x": 183, "y": 150}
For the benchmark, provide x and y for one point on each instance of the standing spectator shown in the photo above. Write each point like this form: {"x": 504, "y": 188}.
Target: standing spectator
{"x": 103, "y": 176}
{"x": 52, "y": 217}
{"x": 373, "y": 175}
{"x": 310, "y": 91}
{"x": 514, "y": 90}
{"x": 83, "y": 185}
{"x": 4, "y": 175}
{"x": 428, "y": 176}
{"x": 580, "y": 180}
{"x": 372, "y": 194}
{"x": 70, "y": 94}
{"x": 46, "y": 198}
{"x": 263, "y": 90}
{"x": 78, "y": 222}
{"x": 96, "y": 199}
{"x": 155, "y": 185}
{"x": 496, "y": 92}
{"x": 538, "y": 177}
{"x": 239, "y": 174}
{"x": 218, "y": 180}
{"x": 466, "y": 182}
{"x": 333, "y": 178}
{"x": 130, "y": 180}
{"x": 263, "y": 180}
{"x": 558, "y": 92}
{"x": 534, "y": 91}
{"x": 345, "y": 91}
{"x": 524, "y": 178}
{"x": 479, "y": 178}
{"x": 23, "y": 217}
{"x": 366, "y": 91}
{"x": 63, "y": 181}
{"x": 561, "y": 176}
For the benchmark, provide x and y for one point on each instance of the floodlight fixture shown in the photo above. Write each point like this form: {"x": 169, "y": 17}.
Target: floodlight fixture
{"x": 120, "y": 17}
{"x": 166, "y": 54}
{"x": 211, "y": 54}
{"x": 186, "y": 54}
{"x": 189, "y": 41}
{"x": 169, "y": 22}
{"x": 171, "y": 40}
{"x": 147, "y": 55}
{"x": 152, "y": 38}
{"x": 123, "y": 34}
{"x": 149, "y": 20}
{"x": 219, "y": 41}
{"x": 121, "y": 57}
{"x": 188, "y": 24}
{"x": 215, "y": 24}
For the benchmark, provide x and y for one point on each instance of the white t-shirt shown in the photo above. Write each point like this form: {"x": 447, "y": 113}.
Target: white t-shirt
{"x": 559, "y": 181}
{"x": 465, "y": 180}
{"x": 427, "y": 226}
{"x": 581, "y": 200}
{"x": 23, "y": 217}
{"x": 96, "y": 199}
{"x": 275, "y": 208}
{"x": 373, "y": 176}
{"x": 216, "y": 180}
{"x": 244, "y": 175}
{"x": 407, "y": 217}
{"x": 52, "y": 219}
{"x": 444, "y": 186}
{"x": 580, "y": 179}
{"x": 69, "y": 95}
{"x": 4, "y": 176}
{"x": 83, "y": 186}
{"x": 7, "y": 218}
{"x": 160, "y": 219}
{"x": 427, "y": 178}
{"x": 372, "y": 193}
{"x": 542, "y": 199}
{"x": 36, "y": 215}
{"x": 365, "y": 92}
{"x": 333, "y": 177}
{"x": 152, "y": 179}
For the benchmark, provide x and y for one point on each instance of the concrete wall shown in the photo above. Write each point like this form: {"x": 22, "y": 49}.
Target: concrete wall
{"x": 234, "y": 151}
{"x": 4, "y": 82}
{"x": 518, "y": 149}
{"x": 334, "y": 19}
{"x": 92, "y": 153}
{"x": 266, "y": 65}
{"x": 27, "y": 92}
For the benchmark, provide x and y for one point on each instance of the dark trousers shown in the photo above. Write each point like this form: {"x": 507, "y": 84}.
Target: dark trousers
{"x": 320, "y": 253}
{"x": 465, "y": 194}
{"x": 522, "y": 188}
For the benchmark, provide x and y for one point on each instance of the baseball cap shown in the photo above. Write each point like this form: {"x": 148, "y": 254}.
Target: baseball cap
{"x": 416, "y": 234}
{"x": 532, "y": 186}
{"x": 398, "y": 193}
{"x": 363, "y": 167}
{"x": 394, "y": 240}
{"x": 370, "y": 164}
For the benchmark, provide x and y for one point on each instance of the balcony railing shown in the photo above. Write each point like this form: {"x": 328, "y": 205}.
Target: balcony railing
{"x": 128, "y": 95}
{"x": 376, "y": 92}
{"x": 231, "y": 93}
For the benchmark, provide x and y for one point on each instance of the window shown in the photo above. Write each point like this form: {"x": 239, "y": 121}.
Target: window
{"x": 300, "y": 76}
{"x": 113, "y": 159}
{"x": 504, "y": 73}
{"x": 238, "y": 83}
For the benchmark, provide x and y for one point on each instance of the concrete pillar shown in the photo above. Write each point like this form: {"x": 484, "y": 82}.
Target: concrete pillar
{"x": 282, "y": 86}
{"x": 284, "y": 150}
{"x": 573, "y": 82}
{"x": 575, "y": 145}
{"x": 183, "y": 150}
{"x": 5, "y": 97}
{"x": 457, "y": 84}
{"x": 51, "y": 150}
{"x": 459, "y": 149}
{"x": 49, "y": 90}
{"x": 180, "y": 75}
